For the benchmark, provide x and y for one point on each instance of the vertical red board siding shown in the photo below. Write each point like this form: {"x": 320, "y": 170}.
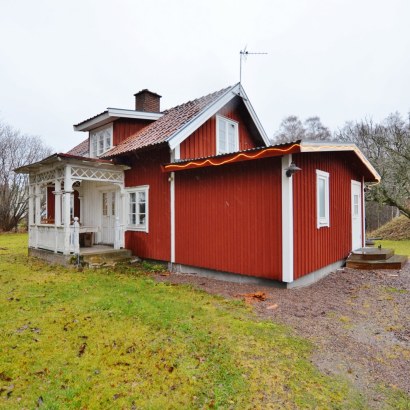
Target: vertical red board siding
{"x": 316, "y": 248}
{"x": 146, "y": 170}
{"x": 229, "y": 218}
{"x": 202, "y": 143}
{"x": 124, "y": 128}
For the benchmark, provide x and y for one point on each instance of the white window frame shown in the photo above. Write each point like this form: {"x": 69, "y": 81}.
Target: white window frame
{"x": 136, "y": 190}
{"x": 227, "y": 122}
{"x": 323, "y": 221}
{"x": 97, "y": 135}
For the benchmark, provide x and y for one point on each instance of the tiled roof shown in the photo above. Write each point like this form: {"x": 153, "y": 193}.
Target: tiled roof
{"x": 163, "y": 128}
{"x": 80, "y": 150}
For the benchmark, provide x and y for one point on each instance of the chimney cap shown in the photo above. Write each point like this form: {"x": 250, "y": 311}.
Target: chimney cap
{"x": 145, "y": 90}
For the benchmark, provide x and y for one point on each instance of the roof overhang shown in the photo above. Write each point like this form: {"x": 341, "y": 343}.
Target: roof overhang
{"x": 112, "y": 114}
{"x": 247, "y": 155}
{"x": 326, "y": 146}
{"x": 63, "y": 159}
{"x": 236, "y": 91}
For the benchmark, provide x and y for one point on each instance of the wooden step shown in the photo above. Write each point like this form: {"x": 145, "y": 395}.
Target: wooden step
{"x": 371, "y": 254}
{"x": 394, "y": 262}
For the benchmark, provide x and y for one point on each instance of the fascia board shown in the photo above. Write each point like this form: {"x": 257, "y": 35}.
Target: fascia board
{"x": 139, "y": 115}
{"x": 175, "y": 139}
{"x": 114, "y": 113}
{"x": 325, "y": 146}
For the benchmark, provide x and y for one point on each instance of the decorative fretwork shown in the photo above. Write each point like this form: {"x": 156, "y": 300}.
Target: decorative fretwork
{"x": 49, "y": 176}
{"x": 97, "y": 174}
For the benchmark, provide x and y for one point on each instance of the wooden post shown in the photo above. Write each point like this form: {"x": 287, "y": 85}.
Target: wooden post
{"x": 66, "y": 209}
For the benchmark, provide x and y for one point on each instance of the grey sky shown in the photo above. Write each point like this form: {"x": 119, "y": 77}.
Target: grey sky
{"x": 64, "y": 61}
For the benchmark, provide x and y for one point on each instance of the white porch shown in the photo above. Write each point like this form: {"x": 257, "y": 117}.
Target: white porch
{"x": 75, "y": 202}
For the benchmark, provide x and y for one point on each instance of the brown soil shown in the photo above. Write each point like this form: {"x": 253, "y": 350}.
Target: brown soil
{"x": 358, "y": 321}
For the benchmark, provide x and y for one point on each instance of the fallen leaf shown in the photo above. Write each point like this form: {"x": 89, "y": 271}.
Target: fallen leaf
{"x": 4, "y": 377}
{"x": 274, "y": 306}
{"x": 252, "y": 297}
{"x": 82, "y": 349}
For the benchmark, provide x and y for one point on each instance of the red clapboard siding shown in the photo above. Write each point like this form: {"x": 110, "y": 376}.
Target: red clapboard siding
{"x": 315, "y": 248}
{"x": 51, "y": 203}
{"x": 202, "y": 143}
{"x": 123, "y": 128}
{"x": 229, "y": 218}
{"x": 146, "y": 170}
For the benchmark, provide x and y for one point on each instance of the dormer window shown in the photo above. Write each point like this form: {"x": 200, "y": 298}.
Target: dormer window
{"x": 100, "y": 140}
{"x": 227, "y": 137}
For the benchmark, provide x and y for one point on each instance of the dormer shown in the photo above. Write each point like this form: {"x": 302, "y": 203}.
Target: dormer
{"x": 114, "y": 125}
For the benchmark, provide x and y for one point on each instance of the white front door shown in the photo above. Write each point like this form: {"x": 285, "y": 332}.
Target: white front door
{"x": 108, "y": 210}
{"x": 356, "y": 215}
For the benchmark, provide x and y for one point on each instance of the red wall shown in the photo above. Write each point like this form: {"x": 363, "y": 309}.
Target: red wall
{"x": 51, "y": 204}
{"x": 202, "y": 143}
{"x": 228, "y": 218}
{"x": 315, "y": 248}
{"x": 146, "y": 170}
{"x": 124, "y": 128}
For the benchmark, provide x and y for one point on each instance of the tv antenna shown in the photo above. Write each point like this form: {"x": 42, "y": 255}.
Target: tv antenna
{"x": 242, "y": 56}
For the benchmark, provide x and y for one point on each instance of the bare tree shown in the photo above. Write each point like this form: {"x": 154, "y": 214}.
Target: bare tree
{"x": 16, "y": 150}
{"x": 292, "y": 129}
{"x": 387, "y": 146}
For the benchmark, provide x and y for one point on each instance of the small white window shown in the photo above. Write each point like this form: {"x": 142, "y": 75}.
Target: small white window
{"x": 100, "y": 140}
{"x": 227, "y": 137}
{"x": 322, "y": 201}
{"x": 138, "y": 208}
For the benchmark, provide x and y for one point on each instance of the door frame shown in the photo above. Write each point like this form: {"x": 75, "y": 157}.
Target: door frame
{"x": 356, "y": 184}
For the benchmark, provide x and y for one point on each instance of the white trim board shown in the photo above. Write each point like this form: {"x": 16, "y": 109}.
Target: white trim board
{"x": 235, "y": 91}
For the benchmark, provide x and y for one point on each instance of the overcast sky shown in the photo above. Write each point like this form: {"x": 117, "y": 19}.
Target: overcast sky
{"x": 64, "y": 61}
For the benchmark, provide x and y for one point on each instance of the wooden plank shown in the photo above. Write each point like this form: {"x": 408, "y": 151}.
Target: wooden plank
{"x": 395, "y": 262}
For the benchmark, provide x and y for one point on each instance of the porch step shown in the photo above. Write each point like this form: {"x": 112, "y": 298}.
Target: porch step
{"x": 375, "y": 258}
{"x": 395, "y": 262}
{"x": 106, "y": 257}
{"x": 371, "y": 254}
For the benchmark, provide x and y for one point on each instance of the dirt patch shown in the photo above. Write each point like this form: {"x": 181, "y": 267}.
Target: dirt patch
{"x": 358, "y": 321}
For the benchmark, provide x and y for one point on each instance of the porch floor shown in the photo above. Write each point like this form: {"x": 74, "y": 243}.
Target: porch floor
{"x": 96, "y": 249}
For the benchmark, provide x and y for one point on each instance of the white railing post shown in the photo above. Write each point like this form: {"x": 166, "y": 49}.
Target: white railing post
{"x": 76, "y": 236}
{"x": 117, "y": 233}
{"x": 67, "y": 202}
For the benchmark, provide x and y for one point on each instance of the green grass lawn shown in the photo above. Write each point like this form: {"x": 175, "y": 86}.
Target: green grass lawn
{"x": 110, "y": 339}
{"x": 400, "y": 247}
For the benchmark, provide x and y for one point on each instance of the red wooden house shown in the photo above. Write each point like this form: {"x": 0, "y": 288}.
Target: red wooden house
{"x": 200, "y": 186}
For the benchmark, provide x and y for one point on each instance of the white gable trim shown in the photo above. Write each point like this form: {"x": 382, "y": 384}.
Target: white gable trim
{"x": 326, "y": 146}
{"x": 112, "y": 114}
{"x": 237, "y": 90}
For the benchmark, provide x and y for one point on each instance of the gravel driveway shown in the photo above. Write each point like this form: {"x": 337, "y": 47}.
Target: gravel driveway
{"x": 358, "y": 321}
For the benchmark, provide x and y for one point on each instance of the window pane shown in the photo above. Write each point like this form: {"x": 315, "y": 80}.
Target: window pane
{"x": 356, "y": 205}
{"x": 322, "y": 193}
{"x": 142, "y": 219}
{"x": 222, "y": 135}
{"x": 231, "y": 137}
{"x": 112, "y": 203}
{"x": 105, "y": 204}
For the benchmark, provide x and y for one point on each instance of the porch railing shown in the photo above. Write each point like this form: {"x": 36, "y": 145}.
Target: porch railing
{"x": 53, "y": 238}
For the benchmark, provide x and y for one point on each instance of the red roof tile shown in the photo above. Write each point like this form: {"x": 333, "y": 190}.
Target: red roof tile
{"x": 80, "y": 150}
{"x": 163, "y": 128}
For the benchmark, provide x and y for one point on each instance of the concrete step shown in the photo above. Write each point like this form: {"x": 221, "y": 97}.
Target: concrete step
{"x": 371, "y": 254}
{"x": 101, "y": 258}
{"x": 394, "y": 262}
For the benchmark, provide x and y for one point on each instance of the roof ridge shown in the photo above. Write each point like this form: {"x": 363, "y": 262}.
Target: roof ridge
{"x": 172, "y": 120}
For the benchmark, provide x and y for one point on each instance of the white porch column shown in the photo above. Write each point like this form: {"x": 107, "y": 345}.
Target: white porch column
{"x": 66, "y": 209}
{"x": 31, "y": 196}
{"x": 57, "y": 203}
{"x": 37, "y": 213}
{"x": 287, "y": 221}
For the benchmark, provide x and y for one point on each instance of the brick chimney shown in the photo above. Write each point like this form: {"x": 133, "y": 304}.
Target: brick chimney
{"x": 146, "y": 100}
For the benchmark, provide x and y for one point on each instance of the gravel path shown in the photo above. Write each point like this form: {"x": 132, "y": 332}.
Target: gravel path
{"x": 359, "y": 322}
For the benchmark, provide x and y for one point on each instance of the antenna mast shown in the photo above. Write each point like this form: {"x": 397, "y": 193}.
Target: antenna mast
{"x": 242, "y": 55}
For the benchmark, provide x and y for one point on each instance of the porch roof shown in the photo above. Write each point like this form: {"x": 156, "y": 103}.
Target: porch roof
{"x": 62, "y": 158}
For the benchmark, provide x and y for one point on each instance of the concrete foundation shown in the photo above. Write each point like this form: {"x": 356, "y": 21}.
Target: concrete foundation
{"x": 51, "y": 257}
{"x": 236, "y": 278}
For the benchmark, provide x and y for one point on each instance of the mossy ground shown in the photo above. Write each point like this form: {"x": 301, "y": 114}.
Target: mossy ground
{"x": 111, "y": 339}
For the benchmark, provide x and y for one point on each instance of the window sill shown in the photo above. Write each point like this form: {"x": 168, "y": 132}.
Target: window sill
{"x": 137, "y": 229}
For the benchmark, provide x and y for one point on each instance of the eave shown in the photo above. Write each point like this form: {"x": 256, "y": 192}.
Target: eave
{"x": 371, "y": 175}
{"x": 247, "y": 155}
{"x": 112, "y": 114}
{"x": 65, "y": 158}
